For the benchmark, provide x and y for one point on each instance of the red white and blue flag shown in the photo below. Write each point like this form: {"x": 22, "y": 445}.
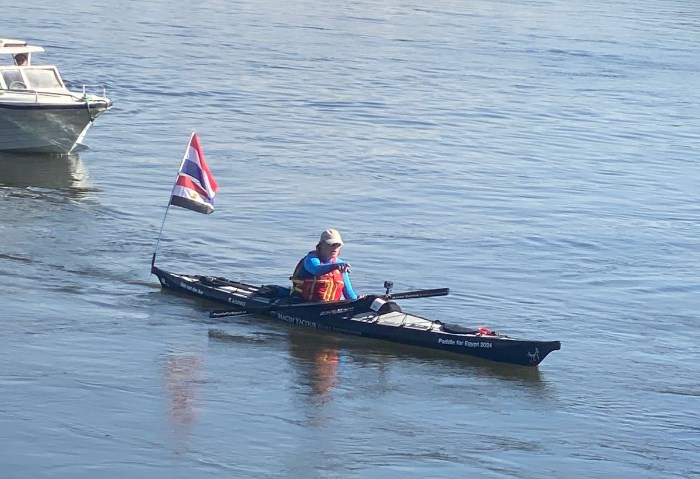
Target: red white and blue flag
{"x": 195, "y": 186}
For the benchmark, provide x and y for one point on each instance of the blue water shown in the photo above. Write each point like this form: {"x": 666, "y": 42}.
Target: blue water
{"x": 538, "y": 158}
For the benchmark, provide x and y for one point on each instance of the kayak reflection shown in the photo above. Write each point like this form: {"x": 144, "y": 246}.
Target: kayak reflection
{"x": 320, "y": 354}
{"x": 319, "y": 359}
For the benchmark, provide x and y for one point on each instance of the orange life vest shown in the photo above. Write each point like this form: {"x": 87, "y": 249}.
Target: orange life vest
{"x": 324, "y": 287}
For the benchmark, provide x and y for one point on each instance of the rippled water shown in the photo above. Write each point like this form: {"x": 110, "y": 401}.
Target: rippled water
{"x": 538, "y": 158}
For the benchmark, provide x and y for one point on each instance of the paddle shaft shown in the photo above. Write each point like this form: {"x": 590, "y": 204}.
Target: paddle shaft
{"x": 222, "y": 313}
{"x": 421, "y": 293}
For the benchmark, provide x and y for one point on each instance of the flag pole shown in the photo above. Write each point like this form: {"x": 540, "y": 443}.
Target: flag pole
{"x": 162, "y": 225}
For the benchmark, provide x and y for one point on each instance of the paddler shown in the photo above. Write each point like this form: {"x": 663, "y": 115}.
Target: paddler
{"x": 321, "y": 275}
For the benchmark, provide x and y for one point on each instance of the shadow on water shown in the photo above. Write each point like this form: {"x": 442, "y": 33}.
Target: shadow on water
{"x": 318, "y": 346}
{"x": 32, "y": 173}
{"x": 316, "y": 356}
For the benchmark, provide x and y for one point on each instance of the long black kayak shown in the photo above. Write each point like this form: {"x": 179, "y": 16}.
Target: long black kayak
{"x": 370, "y": 316}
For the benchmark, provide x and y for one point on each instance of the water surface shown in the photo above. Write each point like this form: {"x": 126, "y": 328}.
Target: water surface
{"x": 538, "y": 158}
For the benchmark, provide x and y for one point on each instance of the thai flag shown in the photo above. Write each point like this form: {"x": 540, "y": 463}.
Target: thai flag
{"x": 195, "y": 186}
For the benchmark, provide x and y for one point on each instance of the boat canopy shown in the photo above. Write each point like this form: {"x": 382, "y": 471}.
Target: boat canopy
{"x": 16, "y": 47}
{"x": 16, "y": 50}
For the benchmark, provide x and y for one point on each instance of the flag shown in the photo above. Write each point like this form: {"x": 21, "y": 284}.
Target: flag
{"x": 195, "y": 186}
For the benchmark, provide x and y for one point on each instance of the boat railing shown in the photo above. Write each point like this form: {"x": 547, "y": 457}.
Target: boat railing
{"x": 83, "y": 95}
{"x": 92, "y": 89}
{"x": 36, "y": 93}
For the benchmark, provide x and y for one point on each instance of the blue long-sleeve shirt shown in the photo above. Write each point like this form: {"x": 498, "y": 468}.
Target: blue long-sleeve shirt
{"x": 314, "y": 267}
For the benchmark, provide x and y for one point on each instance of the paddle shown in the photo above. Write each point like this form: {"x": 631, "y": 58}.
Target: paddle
{"x": 420, "y": 293}
{"x": 222, "y": 313}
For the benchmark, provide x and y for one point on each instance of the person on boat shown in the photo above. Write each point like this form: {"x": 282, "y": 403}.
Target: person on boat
{"x": 321, "y": 275}
{"x": 21, "y": 60}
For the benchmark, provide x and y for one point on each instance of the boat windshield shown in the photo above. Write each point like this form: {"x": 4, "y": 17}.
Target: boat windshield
{"x": 32, "y": 78}
{"x": 12, "y": 76}
{"x": 42, "y": 78}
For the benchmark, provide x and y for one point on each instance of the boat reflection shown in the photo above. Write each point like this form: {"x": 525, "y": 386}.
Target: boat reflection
{"x": 318, "y": 356}
{"x": 65, "y": 173}
{"x": 327, "y": 366}
{"x": 318, "y": 359}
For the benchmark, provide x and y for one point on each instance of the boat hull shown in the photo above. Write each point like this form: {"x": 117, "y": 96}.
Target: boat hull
{"x": 46, "y": 128}
{"x": 359, "y": 319}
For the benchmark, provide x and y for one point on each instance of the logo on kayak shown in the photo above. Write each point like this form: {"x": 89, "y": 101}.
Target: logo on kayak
{"x": 191, "y": 288}
{"x": 466, "y": 343}
{"x": 336, "y": 311}
{"x": 534, "y": 356}
{"x": 295, "y": 320}
{"x": 238, "y": 302}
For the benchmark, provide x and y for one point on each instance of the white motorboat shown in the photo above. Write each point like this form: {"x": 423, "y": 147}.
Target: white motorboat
{"x": 37, "y": 112}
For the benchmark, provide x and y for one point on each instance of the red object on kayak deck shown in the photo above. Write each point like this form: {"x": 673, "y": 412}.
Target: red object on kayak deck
{"x": 484, "y": 331}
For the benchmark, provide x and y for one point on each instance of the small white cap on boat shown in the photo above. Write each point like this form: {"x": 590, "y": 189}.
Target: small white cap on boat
{"x": 331, "y": 237}
{"x": 377, "y": 304}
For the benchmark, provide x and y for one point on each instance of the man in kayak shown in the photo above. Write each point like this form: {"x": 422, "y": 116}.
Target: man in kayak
{"x": 321, "y": 275}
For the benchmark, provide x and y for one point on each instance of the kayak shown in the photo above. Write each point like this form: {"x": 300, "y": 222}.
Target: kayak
{"x": 372, "y": 316}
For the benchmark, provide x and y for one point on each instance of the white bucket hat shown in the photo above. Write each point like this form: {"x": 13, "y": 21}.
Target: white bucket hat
{"x": 331, "y": 237}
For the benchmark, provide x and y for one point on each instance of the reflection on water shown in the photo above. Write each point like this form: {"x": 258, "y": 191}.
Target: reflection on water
{"x": 316, "y": 355}
{"x": 450, "y": 363}
{"x": 325, "y": 373}
{"x": 317, "y": 359}
{"x": 43, "y": 171}
{"x": 327, "y": 367}
{"x": 181, "y": 373}
{"x": 320, "y": 351}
